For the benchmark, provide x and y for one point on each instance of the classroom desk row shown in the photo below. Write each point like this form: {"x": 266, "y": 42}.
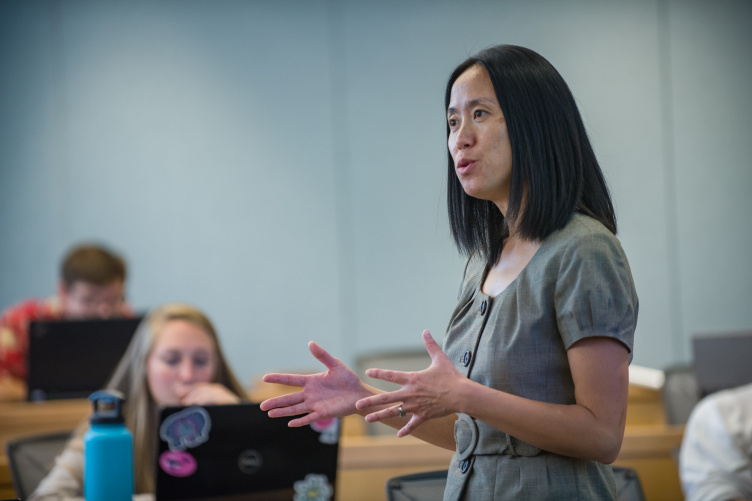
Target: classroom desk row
{"x": 366, "y": 462}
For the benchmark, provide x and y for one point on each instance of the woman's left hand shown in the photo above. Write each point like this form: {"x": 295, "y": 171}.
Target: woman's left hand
{"x": 427, "y": 394}
{"x": 210, "y": 394}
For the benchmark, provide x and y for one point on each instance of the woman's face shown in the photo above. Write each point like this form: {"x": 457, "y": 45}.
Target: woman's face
{"x": 478, "y": 139}
{"x": 182, "y": 357}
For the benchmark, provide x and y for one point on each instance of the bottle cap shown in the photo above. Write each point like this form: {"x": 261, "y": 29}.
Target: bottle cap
{"x": 107, "y": 407}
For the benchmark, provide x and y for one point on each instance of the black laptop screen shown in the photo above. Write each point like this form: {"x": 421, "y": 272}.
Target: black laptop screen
{"x": 74, "y": 358}
{"x": 238, "y": 452}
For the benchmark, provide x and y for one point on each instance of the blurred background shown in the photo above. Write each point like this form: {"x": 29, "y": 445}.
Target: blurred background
{"x": 281, "y": 165}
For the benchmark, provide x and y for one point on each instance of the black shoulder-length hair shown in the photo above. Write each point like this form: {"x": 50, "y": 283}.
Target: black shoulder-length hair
{"x": 554, "y": 169}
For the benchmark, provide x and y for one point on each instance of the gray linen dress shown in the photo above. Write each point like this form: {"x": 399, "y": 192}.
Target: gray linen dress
{"x": 577, "y": 285}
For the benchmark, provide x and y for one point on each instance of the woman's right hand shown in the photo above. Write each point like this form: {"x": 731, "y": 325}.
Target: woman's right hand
{"x": 325, "y": 395}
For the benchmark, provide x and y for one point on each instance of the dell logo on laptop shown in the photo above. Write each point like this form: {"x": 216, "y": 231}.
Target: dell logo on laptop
{"x": 250, "y": 461}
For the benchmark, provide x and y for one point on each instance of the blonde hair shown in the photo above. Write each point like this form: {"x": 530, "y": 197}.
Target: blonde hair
{"x": 130, "y": 378}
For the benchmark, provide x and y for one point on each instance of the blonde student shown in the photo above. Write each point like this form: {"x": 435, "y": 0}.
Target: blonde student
{"x": 174, "y": 359}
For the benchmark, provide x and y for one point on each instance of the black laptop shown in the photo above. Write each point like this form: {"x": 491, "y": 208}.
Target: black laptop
{"x": 74, "y": 358}
{"x": 722, "y": 361}
{"x": 224, "y": 452}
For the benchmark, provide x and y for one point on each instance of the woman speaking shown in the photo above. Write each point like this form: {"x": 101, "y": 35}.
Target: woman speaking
{"x": 530, "y": 389}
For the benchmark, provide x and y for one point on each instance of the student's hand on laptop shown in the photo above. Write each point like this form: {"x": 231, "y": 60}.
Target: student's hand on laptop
{"x": 209, "y": 394}
{"x": 325, "y": 395}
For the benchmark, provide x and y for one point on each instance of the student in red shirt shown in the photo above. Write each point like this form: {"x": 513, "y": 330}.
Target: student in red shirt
{"x": 92, "y": 281}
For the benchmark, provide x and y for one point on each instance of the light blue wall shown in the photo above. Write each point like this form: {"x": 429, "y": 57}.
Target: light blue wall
{"x": 281, "y": 164}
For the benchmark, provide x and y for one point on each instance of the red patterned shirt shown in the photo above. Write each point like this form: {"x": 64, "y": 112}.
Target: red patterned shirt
{"x": 14, "y": 332}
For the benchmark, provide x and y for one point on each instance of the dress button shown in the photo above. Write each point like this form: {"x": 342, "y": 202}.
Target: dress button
{"x": 466, "y": 358}
{"x": 483, "y": 307}
{"x": 464, "y": 465}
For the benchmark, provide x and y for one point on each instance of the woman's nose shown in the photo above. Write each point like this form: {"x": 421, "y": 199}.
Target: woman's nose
{"x": 465, "y": 134}
{"x": 187, "y": 371}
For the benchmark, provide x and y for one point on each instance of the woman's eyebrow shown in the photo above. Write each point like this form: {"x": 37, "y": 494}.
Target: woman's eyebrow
{"x": 474, "y": 102}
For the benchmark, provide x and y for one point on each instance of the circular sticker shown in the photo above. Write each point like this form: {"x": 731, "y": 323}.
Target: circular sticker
{"x": 177, "y": 463}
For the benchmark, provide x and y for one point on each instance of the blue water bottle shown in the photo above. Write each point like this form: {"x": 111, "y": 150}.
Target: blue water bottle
{"x": 108, "y": 451}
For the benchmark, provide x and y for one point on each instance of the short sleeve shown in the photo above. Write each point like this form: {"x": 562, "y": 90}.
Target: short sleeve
{"x": 14, "y": 326}
{"x": 595, "y": 294}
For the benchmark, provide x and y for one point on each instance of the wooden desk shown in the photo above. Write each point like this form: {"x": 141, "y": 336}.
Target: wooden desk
{"x": 18, "y": 419}
{"x": 6, "y": 482}
{"x": 645, "y": 407}
{"x": 650, "y": 450}
{"x": 366, "y": 462}
{"x": 649, "y": 445}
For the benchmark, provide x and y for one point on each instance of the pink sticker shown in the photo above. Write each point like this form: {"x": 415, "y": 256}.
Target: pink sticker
{"x": 328, "y": 430}
{"x": 322, "y": 424}
{"x": 177, "y": 463}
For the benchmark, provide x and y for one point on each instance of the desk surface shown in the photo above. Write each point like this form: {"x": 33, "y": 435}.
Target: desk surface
{"x": 19, "y": 419}
{"x": 366, "y": 462}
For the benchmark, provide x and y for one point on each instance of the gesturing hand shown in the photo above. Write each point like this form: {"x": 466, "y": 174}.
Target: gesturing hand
{"x": 427, "y": 394}
{"x": 325, "y": 395}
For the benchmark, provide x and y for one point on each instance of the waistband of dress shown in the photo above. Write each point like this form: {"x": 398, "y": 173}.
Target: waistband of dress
{"x": 475, "y": 438}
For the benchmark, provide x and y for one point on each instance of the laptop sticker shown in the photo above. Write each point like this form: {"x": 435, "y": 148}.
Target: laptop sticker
{"x": 177, "y": 463}
{"x": 328, "y": 429}
{"x": 187, "y": 428}
{"x": 314, "y": 487}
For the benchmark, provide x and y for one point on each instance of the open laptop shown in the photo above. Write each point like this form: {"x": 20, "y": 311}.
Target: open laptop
{"x": 74, "y": 358}
{"x": 722, "y": 361}
{"x": 224, "y": 452}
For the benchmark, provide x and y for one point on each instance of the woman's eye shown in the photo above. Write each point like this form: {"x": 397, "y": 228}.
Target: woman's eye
{"x": 452, "y": 122}
{"x": 171, "y": 360}
{"x": 479, "y": 113}
{"x": 200, "y": 362}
